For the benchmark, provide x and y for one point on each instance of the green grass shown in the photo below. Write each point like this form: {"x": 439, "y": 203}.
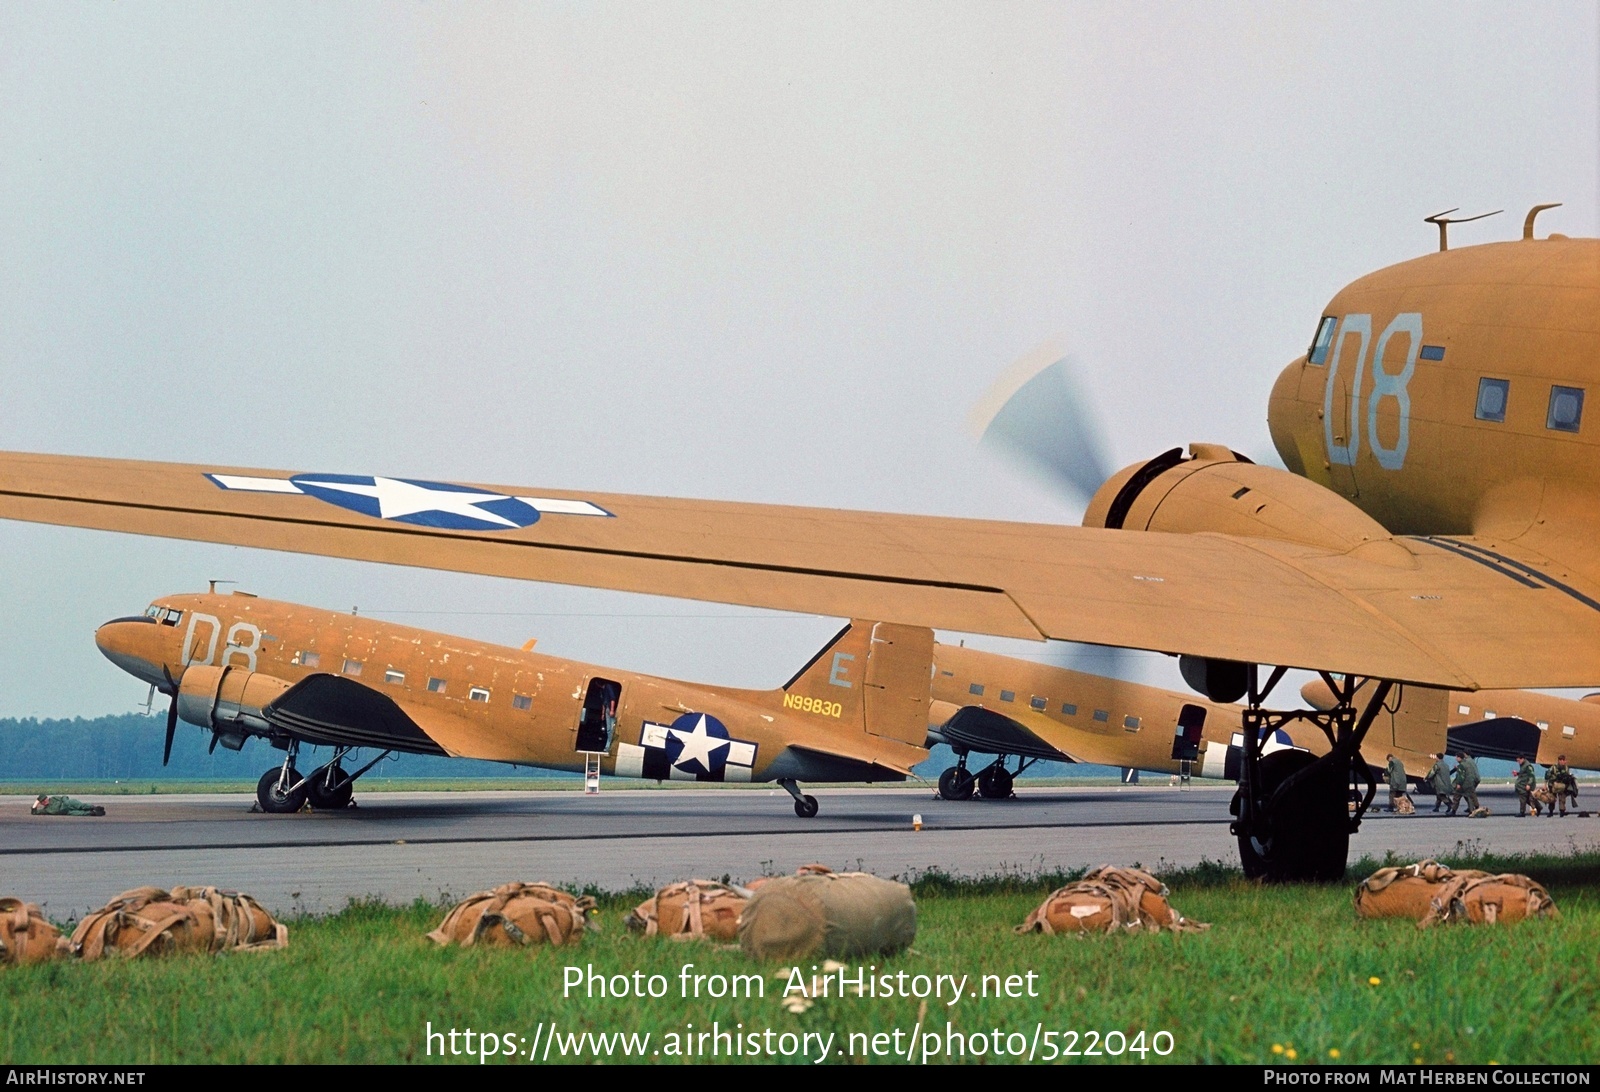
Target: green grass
{"x": 1286, "y": 966}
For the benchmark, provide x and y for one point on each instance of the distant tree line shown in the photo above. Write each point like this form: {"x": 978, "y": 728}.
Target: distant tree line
{"x": 128, "y": 747}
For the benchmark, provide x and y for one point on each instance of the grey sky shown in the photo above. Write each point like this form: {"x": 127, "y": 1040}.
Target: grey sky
{"x": 736, "y": 251}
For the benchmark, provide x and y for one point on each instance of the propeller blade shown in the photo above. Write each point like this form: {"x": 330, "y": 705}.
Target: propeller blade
{"x": 1038, "y": 413}
{"x": 172, "y": 728}
{"x": 1104, "y": 660}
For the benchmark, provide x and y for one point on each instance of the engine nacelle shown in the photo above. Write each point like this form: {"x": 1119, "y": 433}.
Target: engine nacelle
{"x": 1215, "y": 489}
{"x": 229, "y": 701}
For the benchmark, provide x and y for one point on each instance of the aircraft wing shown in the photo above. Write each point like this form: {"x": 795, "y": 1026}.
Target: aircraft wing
{"x": 1457, "y": 613}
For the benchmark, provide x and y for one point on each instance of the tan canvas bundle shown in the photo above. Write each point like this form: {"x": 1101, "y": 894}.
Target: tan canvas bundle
{"x": 25, "y": 936}
{"x": 516, "y": 914}
{"x": 150, "y": 921}
{"x": 1405, "y": 891}
{"x": 1109, "y": 900}
{"x": 691, "y": 909}
{"x": 837, "y": 914}
{"x": 1404, "y": 806}
{"x": 239, "y": 922}
{"x": 1486, "y": 900}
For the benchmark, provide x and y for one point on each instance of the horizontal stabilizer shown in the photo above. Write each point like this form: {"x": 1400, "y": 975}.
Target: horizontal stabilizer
{"x": 839, "y": 765}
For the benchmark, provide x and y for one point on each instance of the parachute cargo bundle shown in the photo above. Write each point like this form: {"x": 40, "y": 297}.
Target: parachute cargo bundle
{"x": 1110, "y": 900}
{"x": 837, "y": 914}
{"x": 515, "y": 915}
{"x": 692, "y": 909}
{"x": 1486, "y": 900}
{"x": 150, "y": 921}
{"x": 25, "y": 935}
{"x": 1430, "y": 893}
{"x": 1405, "y": 891}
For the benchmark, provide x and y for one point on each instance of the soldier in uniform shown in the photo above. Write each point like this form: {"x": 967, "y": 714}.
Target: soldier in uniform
{"x": 1396, "y": 776}
{"x": 1562, "y": 784}
{"x": 64, "y": 805}
{"x": 1523, "y": 783}
{"x": 1464, "y": 782}
{"x": 1439, "y": 778}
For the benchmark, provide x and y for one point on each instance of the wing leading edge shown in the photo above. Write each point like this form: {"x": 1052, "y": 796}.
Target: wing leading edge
{"x": 1455, "y": 613}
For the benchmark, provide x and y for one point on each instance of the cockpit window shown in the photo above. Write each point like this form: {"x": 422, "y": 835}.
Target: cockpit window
{"x": 165, "y": 615}
{"x": 1324, "y": 339}
{"x": 1566, "y": 409}
{"x": 171, "y": 617}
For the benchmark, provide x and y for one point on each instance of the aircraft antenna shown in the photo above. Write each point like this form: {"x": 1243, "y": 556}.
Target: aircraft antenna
{"x": 1442, "y": 219}
{"x": 213, "y": 584}
{"x": 1527, "y": 225}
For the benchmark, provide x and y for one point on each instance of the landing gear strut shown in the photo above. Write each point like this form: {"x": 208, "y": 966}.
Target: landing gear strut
{"x": 956, "y": 783}
{"x": 1295, "y": 812}
{"x": 993, "y": 782}
{"x": 804, "y": 806}
{"x": 328, "y": 787}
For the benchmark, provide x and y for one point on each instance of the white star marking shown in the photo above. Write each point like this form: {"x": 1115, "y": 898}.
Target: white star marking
{"x": 398, "y": 498}
{"x": 698, "y": 744}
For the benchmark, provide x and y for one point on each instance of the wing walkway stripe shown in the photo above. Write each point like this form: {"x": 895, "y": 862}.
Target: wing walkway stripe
{"x": 1531, "y": 571}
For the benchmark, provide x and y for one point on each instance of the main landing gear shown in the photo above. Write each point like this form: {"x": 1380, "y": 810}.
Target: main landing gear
{"x": 993, "y": 782}
{"x": 804, "y": 806}
{"x": 1295, "y": 812}
{"x": 327, "y": 788}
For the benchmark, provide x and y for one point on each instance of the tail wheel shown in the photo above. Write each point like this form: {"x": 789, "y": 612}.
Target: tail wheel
{"x": 272, "y": 799}
{"x": 805, "y": 807}
{"x": 957, "y": 784}
{"x": 1303, "y": 834}
{"x": 324, "y": 799}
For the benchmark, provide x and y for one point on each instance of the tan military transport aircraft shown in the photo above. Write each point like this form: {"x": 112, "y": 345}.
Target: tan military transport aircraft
{"x": 1505, "y": 724}
{"x": 1437, "y": 525}
{"x": 241, "y": 666}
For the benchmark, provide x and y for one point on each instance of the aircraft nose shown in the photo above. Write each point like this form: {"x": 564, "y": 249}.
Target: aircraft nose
{"x": 134, "y": 644}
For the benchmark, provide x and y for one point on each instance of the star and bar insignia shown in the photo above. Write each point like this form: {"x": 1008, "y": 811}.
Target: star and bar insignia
{"x": 422, "y": 503}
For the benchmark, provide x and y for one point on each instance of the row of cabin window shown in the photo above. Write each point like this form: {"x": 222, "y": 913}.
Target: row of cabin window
{"x": 1131, "y": 723}
{"x": 352, "y": 668}
{"x": 1564, "y": 415}
{"x": 1567, "y": 730}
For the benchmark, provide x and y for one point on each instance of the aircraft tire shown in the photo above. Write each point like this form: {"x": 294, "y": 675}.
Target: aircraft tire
{"x": 957, "y": 784}
{"x": 805, "y": 807}
{"x": 995, "y": 783}
{"x": 275, "y": 802}
{"x": 323, "y": 800}
{"x": 1306, "y": 836}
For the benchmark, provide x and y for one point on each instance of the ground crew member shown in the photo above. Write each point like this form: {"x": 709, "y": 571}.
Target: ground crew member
{"x": 1439, "y": 778}
{"x": 1523, "y": 783}
{"x": 1396, "y": 775}
{"x": 1464, "y": 782}
{"x": 1562, "y": 784}
{"x": 64, "y": 805}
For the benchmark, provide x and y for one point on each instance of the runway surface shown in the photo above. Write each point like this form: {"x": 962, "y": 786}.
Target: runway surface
{"x": 402, "y": 846}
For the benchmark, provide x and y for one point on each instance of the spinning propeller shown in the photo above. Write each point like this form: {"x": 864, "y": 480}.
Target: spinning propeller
{"x": 1038, "y": 415}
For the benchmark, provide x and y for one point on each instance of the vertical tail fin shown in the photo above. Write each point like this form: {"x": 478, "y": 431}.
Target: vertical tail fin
{"x": 873, "y": 677}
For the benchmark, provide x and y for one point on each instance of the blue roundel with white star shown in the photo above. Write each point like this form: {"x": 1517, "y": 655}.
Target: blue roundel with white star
{"x": 697, "y": 743}
{"x": 426, "y": 504}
